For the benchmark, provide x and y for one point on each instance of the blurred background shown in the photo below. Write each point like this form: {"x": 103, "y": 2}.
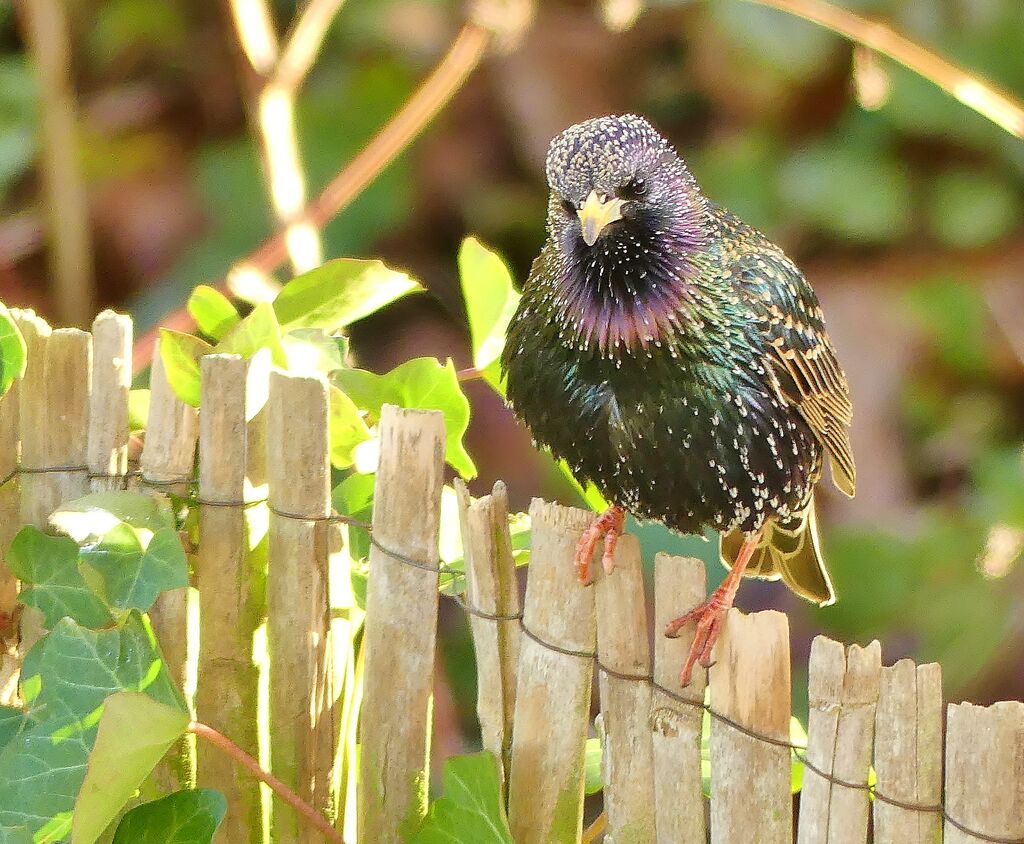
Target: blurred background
{"x": 903, "y": 207}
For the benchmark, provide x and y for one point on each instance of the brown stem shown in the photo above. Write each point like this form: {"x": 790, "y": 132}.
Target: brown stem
{"x": 470, "y": 374}
{"x": 437, "y": 89}
{"x": 969, "y": 88}
{"x": 224, "y": 744}
{"x": 595, "y": 829}
{"x": 303, "y": 43}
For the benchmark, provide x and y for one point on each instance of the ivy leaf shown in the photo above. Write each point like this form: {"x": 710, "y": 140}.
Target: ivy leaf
{"x": 418, "y": 383}
{"x": 212, "y": 311}
{"x": 346, "y": 427}
{"x": 311, "y": 351}
{"x": 180, "y": 354}
{"x": 135, "y": 566}
{"x": 134, "y": 733}
{"x": 58, "y": 590}
{"x": 491, "y": 300}
{"x": 66, "y": 678}
{"x": 12, "y": 350}
{"x": 259, "y": 330}
{"x": 185, "y": 817}
{"x": 594, "y": 781}
{"x": 470, "y": 812}
{"x": 339, "y": 292}
{"x": 353, "y": 497}
{"x": 12, "y": 719}
{"x": 93, "y": 515}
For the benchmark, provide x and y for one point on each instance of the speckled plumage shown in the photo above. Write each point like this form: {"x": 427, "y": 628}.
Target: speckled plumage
{"x": 682, "y": 361}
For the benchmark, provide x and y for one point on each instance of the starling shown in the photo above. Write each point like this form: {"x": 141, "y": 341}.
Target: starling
{"x": 674, "y": 356}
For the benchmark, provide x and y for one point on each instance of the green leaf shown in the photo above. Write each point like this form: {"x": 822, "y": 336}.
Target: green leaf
{"x": 135, "y": 566}
{"x": 259, "y": 330}
{"x": 311, "y": 351}
{"x": 592, "y": 766}
{"x": 185, "y": 817}
{"x": 491, "y": 300}
{"x": 12, "y": 720}
{"x": 180, "y": 354}
{"x": 470, "y": 812}
{"x": 419, "y": 383}
{"x": 138, "y": 409}
{"x": 93, "y": 515}
{"x": 66, "y": 678}
{"x": 353, "y": 497}
{"x": 347, "y": 428}
{"x": 12, "y": 350}
{"x": 590, "y": 493}
{"x": 134, "y": 733}
{"x": 212, "y": 311}
{"x": 340, "y": 292}
{"x": 797, "y": 737}
{"x": 51, "y": 565}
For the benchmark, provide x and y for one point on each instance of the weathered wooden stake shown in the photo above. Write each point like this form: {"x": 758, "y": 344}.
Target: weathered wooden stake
{"x": 843, "y": 692}
{"x": 622, "y": 646}
{"x": 108, "y": 404}
{"x": 401, "y": 620}
{"x": 680, "y": 584}
{"x": 553, "y": 694}
{"x": 301, "y": 679}
{"x": 985, "y": 770}
{"x": 230, "y": 609}
{"x": 908, "y": 753}
{"x": 492, "y": 588}
{"x": 750, "y": 684}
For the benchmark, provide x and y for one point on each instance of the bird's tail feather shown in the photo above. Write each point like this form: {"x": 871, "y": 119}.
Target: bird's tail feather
{"x": 790, "y": 551}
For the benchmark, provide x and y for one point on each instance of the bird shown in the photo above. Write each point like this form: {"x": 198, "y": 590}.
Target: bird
{"x": 677, "y": 358}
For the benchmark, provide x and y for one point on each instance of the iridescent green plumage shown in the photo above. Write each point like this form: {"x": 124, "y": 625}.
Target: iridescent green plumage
{"x": 681, "y": 362}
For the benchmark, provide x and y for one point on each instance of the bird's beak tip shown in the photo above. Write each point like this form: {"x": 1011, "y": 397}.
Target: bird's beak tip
{"x": 596, "y": 214}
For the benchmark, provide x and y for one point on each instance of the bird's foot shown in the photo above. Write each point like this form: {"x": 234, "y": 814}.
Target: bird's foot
{"x": 608, "y": 525}
{"x": 710, "y": 616}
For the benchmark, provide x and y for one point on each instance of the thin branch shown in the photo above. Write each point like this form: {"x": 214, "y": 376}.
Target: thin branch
{"x": 437, "y": 89}
{"x": 70, "y": 245}
{"x": 304, "y": 810}
{"x": 970, "y": 89}
{"x": 591, "y": 833}
{"x": 303, "y": 43}
{"x": 254, "y": 25}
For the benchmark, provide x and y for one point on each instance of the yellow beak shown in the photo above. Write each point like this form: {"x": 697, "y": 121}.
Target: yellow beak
{"x": 596, "y": 213}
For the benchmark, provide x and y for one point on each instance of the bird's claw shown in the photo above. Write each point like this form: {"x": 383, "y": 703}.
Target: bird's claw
{"x": 608, "y": 525}
{"x": 709, "y": 617}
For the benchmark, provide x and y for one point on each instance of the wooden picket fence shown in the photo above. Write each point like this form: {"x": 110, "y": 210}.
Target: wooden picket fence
{"x": 263, "y": 455}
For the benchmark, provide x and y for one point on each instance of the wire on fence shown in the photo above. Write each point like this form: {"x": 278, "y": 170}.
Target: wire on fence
{"x": 440, "y": 568}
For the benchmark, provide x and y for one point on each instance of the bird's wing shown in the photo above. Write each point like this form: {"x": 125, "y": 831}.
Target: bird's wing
{"x": 799, "y": 352}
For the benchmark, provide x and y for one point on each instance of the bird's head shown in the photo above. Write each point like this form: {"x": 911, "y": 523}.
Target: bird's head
{"x": 616, "y": 179}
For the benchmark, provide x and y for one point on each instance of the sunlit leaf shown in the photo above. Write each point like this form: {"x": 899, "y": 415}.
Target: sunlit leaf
{"x": 592, "y": 761}
{"x": 490, "y": 298}
{"x": 347, "y": 428}
{"x": 311, "y": 351}
{"x": 419, "y": 383}
{"x": 94, "y": 514}
{"x": 138, "y": 409}
{"x": 52, "y": 579}
{"x": 12, "y": 350}
{"x": 134, "y": 733}
{"x": 135, "y": 566}
{"x": 212, "y": 311}
{"x": 340, "y": 292}
{"x": 259, "y": 330}
{"x": 185, "y": 817}
{"x": 354, "y": 497}
{"x": 180, "y": 354}
{"x": 470, "y": 810}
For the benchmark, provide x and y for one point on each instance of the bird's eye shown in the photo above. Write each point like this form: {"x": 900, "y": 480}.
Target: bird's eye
{"x": 569, "y": 207}
{"x": 633, "y": 189}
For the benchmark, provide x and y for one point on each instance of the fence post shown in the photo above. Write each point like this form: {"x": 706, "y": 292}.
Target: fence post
{"x": 750, "y": 778}
{"x": 226, "y": 697}
{"x": 984, "y": 777}
{"x": 553, "y": 694}
{"x": 623, "y": 647}
{"x": 301, "y": 681}
{"x": 33, "y": 414}
{"x": 108, "y": 404}
{"x": 401, "y": 621}
{"x": 908, "y": 752}
{"x": 843, "y": 692}
{"x": 680, "y": 584}
{"x": 167, "y": 460}
{"x": 492, "y": 588}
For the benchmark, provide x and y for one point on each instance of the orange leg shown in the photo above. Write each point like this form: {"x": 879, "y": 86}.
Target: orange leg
{"x": 711, "y": 614}
{"x": 608, "y": 525}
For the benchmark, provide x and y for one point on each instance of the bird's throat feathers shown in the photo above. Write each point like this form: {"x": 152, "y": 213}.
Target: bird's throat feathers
{"x": 634, "y": 286}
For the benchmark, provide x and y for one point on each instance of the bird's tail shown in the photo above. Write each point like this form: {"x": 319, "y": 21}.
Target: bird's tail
{"x": 790, "y": 550}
